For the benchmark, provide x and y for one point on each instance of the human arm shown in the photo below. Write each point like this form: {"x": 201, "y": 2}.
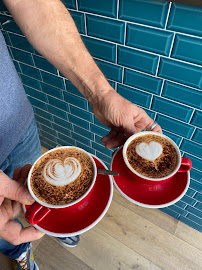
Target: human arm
{"x": 12, "y": 194}
{"x": 50, "y": 29}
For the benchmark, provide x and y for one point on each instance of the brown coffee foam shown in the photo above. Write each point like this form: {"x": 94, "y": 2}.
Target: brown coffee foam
{"x": 59, "y": 195}
{"x": 163, "y": 166}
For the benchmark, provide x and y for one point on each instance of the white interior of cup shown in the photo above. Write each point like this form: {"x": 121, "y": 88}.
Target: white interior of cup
{"x": 68, "y": 204}
{"x": 130, "y": 139}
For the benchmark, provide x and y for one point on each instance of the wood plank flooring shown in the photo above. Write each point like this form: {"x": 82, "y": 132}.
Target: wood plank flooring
{"x": 128, "y": 237}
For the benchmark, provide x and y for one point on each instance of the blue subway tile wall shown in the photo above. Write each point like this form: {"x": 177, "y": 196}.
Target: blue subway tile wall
{"x": 151, "y": 53}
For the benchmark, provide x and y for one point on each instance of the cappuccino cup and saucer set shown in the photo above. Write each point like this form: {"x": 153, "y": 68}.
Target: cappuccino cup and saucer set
{"x": 152, "y": 174}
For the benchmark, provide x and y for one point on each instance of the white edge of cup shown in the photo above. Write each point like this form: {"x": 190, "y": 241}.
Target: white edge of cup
{"x": 131, "y": 138}
{"x": 150, "y": 205}
{"x": 68, "y": 204}
{"x": 91, "y": 225}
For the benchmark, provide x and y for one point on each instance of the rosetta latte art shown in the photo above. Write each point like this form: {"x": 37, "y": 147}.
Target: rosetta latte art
{"x": 59, "y": 174}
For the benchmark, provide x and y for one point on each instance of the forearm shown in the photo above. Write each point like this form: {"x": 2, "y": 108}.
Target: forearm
{"x": 50, "y": 29}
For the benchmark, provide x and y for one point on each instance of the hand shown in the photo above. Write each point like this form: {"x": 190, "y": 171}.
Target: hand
{"x": 123, "y": 117}
{"x": 12, "y": 194}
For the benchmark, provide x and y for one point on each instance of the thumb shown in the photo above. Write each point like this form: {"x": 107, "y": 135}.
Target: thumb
{"x": 13, "y": 190}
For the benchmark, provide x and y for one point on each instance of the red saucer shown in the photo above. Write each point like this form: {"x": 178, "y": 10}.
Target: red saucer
{"x": 84, "y": 215}
{"x": 147, "y": 193}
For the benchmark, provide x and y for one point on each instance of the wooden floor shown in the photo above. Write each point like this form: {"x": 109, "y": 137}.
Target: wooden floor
{"x": 128, "y": 237}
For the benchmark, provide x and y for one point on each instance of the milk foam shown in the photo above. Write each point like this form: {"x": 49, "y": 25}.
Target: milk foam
{"x": 59, "y": 174}
{"x": 149, "y": 151}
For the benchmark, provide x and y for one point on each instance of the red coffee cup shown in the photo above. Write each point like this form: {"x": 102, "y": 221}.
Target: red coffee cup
{"x": 39, "y": 209}
{"x": 184, "y": 164}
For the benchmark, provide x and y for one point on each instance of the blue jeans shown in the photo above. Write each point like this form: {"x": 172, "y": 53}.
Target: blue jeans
{"x": 26, "y": 152}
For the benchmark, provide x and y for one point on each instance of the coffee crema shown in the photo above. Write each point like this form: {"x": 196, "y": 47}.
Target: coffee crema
{"x": 62, "y": 176}
{"x": 152, "y": 156}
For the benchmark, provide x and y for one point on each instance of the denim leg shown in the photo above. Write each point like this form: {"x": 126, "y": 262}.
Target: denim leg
{"x": 26, "y": 152}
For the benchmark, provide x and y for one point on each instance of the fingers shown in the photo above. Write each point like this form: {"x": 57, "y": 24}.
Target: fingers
{"x": 157, "y": 129}
{"x": 21, "y": 173}
{"x": 17, "y": 173}
{"x": 15, "y": 234}
{"x": 13, "y": 190}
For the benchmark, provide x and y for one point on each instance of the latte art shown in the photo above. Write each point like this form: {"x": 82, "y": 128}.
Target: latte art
{"x": 60, "y": 174}
{"x": 149, "y": 151}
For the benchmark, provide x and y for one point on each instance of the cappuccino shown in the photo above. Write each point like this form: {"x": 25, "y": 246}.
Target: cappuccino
{"x": 152, "y": 156}
{"x": 62, "y": 176}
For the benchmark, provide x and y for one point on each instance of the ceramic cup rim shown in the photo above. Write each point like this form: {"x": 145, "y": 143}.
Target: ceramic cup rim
{"x": 68, "y": 204}
{"x": 131, "y": 138}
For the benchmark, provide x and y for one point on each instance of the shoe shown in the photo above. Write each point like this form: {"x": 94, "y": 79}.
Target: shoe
{"x": 69, "y": 241}
{"x": 26, "y": 261}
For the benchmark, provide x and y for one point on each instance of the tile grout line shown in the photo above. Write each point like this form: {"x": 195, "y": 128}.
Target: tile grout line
{"x": 125, "y": 28}
{"x": 117, "y": 9}
{"x": 162, "y": 86}
{"x": 85, "y": 24}
{"x": 192, "y": 134}
{"x": 157, "y": 68}
{"x": 122, "y": 79}
{"x": 192, "y": 115}
{"x": 151, "y": 101}
{"x": 171, "y": 47}
{"x": 168, "y": 14}
{"x": 77, "y": 8}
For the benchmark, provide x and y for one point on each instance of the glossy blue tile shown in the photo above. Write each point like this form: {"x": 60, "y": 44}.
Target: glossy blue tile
{"x": 37, "y": 103}
{"x": 57, "y": 112}
{"x": 70, "y": 3}
{"x": 78, "y": 121}
{"x": 17, "y": 66}
{"x": 36, "y": 94}
{"x": 78, "y": 18}
{"x": 196, "y": 175}
{"x": 100, "y": 148}
{"x": 80, "y": 102}
{"x": 6, "y": 37}
{"x": 111, "y": 71}
{"x": 135, "y": 96}
{"x": 100, "y": 49}
{"x": 43, "y": 121}
{"x": 58, "y": 103}
{"x": 150, "y": 113}
{"x": 98, "y": 130}
{"x": 188, "y": 200}
{"x": 81, "y": 113}
{"x": 3, "y": 7}
{"x": 30, "y": 82}
{"x": 177, "y": 209}
{"x": 197, "y": 119}
{"x": 198, "y": 197}
{"x": 142, "y": 81}
{"x": 196, "y": 185}
{"x": 65, "y": 140}
{"x": 187, "y": 19}
{"x": 149, "y": 39}
{"x": 137, "y": 60}
{"x": 194, "y": 219}
{"x": 62, "y": 123}
{"x": 72, "y": 89}
{"x": 175, "y": 138}
{"x": 175, "y": 126}
{"x": 182, "y": 94}
{"x": 194, "y": 211}
{"x": 188, "y": 49}
{"x": 49, "y": 130}
{"x": 81, "y": 139}
{"x": 50, "y": 90}
{"x": 98, "y": 123}
{"x": 192, "y": 148}
{"x": 104, "y": 28}
{"x": 104, "y": 7}
{"x": 20, "y": 42}
{"x": 11, "y": 26}
{"x": 105, "y": 159}
{"x": 150, "y": 12}
{"x": 47, "y": 143}
{"x": 191, "y": 223}
{"x": 30, "y": 71}
{"x": 180, "y": 72}
{"x": 170, "y": 212}
{"x": 180, "y": 204}
{"x": 196, "y": 163}
{"x": 52, "y": 80}
{"x": 22, "y": 56}
{"x": 83, "y": 132}
{"x": 190, "y": 192}
{"x": 83, "y": 146}
{"x": 42, "y": 113}
{"x": 197, "y": 136}
{"x": 49, "y": 136}
{"x": 170, "y": 108}
{"x": 43, "y": 64}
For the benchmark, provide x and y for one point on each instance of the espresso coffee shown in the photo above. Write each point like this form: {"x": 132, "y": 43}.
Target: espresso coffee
{"x": 62, "y": 176}
{"x": 152, "y": 156}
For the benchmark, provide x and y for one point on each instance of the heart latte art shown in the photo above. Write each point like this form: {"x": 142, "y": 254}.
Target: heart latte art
{"x": 60, "y": 173}
{"x": 150, "y": 151}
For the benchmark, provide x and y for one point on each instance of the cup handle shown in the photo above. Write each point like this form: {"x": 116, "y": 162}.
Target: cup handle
{"x": 36, "y": 212}
{"x": 186, "y": 165}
